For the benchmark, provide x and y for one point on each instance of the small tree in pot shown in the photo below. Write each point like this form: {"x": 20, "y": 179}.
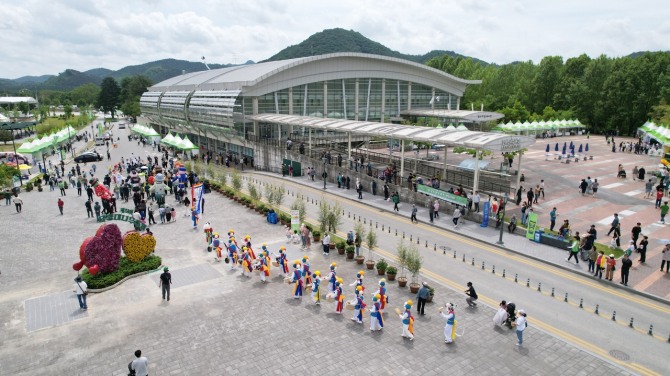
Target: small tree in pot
{"x": 391, "y": 272}
{"x": 382, "y": 265}
{"x": 402, "y": 263}
{"x": 371, "y": 242}
{"x": 414, "y": 266}
{"x": 350, "y": 252}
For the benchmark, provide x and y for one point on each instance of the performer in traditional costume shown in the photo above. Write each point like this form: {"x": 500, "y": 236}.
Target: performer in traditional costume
{"x": 339, "y": 296}
{"x": 316, "y": 287}
{"x": 358, "y": 281}
{"x": 246, "y": 263}
{"x": 264, "y": 266}
{"x": 383, "y": 298}
{"x": 376, "y": 319}
{"x": 407, "y": 321}
{"x": 332, "y": 277}
{"x": 208, "y": 232}
{"x": 247, "y": 242}
{"x": 216, "y": 246}
{"x": 450, "y": 327}
{"x": 194, "y": 217}
{"x": 283, "y": 263}
{"x": 232, "y": 254}
{"x": 306, "y": 274}
{"x": 359, "y": 306}
{"x": 297, "y": 280}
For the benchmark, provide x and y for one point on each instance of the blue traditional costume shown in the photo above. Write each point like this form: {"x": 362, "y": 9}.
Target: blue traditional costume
{"x": 297, "y": 280}
{"x": 316, "y": 287}
{"x": 376, "y": 319}
{"x": 332, "y": 277}
{"x": 306, "y": 274}
{"x": 407, "y": 321}
{"x": 450, "y": 327}
{"x": 359, "y": 306}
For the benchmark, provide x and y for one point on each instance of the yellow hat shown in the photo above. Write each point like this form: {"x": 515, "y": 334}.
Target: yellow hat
{"x": 361, "y": 272}
{"x": 359, "y": 288}
{"x": 317, "y": 273}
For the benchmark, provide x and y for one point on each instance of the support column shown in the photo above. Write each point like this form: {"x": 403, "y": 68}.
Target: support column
{"x": 475, "y": 184}
{"x": 444, "y": 170}
{"x": 458, "y": 103}
{"x": 409, "y": 96}
{"x": 325, "y": 99}
{"x": 432, "y": 100}
{"x": 254, "y": 111}
{"x": 381, "y": 117}
{"x": 356, "y": 101}
{"x": 402, "y": 160}
{"x": 290, "y": 101}
{"x": 349, "y": 146}
{"x": 309, "y": 140}
{"x": 518, "y": 172}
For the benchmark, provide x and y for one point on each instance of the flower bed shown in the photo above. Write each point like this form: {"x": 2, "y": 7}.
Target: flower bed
{"x": 126, "y": 268}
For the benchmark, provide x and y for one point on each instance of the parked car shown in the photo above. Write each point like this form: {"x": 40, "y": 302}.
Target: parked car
{"x": 89, "y": 156}
{"x": 122, "y": 126}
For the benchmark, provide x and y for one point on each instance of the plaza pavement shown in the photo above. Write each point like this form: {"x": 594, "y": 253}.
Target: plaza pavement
{"x": 220, "y": 323}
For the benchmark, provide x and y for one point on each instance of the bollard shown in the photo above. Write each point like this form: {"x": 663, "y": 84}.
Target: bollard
{"x": 403, "y": 233}
{"x": 359, "y": 218}
{"x": 515, "y": 278}
{"x": 463, "y": 256}
{"x": 528, "y": 283}
{"x": 614, "y": 316}
{"x": 417, "y": 240}
{"x": 396, "y": 231}
{"x": 371, "y": 223}
{"x": 455, "y": 254}
{"x": 426, "y": 243}
{"x": 482, "y": 265}
{"x": 349, "y": 214}
{"x": 365, "y": 223}
{"x": 382, "y": 227}
{"x": 539, "y": 287}
{"x": 343, "y": 212}
{"x": 503, "y": 275}
{"x": 354, "y": 217}
{"x": 410, "y": 237}
{"x": 581, "y": 303}
{"x": 493, "y": 270}
{"x": 651, "y": 330}
{"x": 376, "y": 224}
{"x": 596, "y": 312}
{"x": 566, "y": 297}
{"x": 552, "y": 292}
{"x": 630, "y": 324}
{"x": 473, "y": 261}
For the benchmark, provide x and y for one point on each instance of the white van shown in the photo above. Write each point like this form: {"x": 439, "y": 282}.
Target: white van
{"x": 99, "y": 141}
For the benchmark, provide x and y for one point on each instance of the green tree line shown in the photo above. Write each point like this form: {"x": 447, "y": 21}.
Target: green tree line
{"x": 607, "y": 94}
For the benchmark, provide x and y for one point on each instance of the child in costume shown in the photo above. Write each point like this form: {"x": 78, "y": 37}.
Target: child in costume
{"x": 450, "y": 327}
{"x": 216, "y": 246}
{"x": 316, "y": 286}
{"x": 376, "y": 319}
{"x": 339, "y": 297}
{"x": 332, "y": 277}
{"x": 358, "y": 281}
{"x": 232, "y": 254}
{"x": 208, "y": 232}
{"x": 359, "y": 306}
{"x": 297, "y": 279}
{"x": 264, "y": 266}
{"x": 306, "y": 274}
{"x": 247, "y": 243}
{"x": 246, "y": 263}
{"x": 283, "y": 263}
{"x": 407, "y": 321}
{"x": 383, "y": 298}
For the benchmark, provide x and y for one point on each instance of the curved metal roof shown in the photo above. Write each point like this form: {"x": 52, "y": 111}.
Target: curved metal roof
{"x": 261, "y": 78}
{"x": 477, "y": 140}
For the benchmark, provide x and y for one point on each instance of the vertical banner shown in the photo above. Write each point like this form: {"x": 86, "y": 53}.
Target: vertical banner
{"x": 295, "y": 220}
{"x": 532, "y": 226}
{"x": 196, "y": 197}
{"x": 486, "y": 211}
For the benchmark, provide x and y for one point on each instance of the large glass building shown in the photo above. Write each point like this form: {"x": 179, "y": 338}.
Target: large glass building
{"x": 216, "y": 108}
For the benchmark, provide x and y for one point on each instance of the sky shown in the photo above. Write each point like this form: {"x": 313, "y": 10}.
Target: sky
{"x": 40, "y": 37}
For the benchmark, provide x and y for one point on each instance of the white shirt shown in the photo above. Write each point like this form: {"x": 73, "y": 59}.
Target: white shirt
{"x": 476, "y": 199}
{"x": 140, "y": 366}
{"x": 520, "y": 323}
{"x": 326, "y": 240}
{"x": 80, "y": 287}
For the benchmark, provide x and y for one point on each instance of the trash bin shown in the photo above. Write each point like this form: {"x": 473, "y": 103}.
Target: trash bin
{"x": 272, "y": 217}
{"x": 538, "y": 236}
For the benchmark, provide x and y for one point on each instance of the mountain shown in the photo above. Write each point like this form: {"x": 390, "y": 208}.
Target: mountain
{"x": 69, "y": 80}
{"x": 32, "y": 79}
{"x": 340, "y": 40}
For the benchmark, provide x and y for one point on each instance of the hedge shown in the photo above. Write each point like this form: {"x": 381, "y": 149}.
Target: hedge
{"x": 126, "y": 268}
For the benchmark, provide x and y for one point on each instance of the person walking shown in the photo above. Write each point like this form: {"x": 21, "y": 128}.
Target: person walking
{"x": 530, "y": 195}
{"x": 664, "y": 211}
{"x": 601, "y": 261}
{"x": 659, "y": 197}
{"x": 396, "y": 201}
{"x": 325, "y": 243}
{"x": 611, "y": 267}
{"x": 60, "y": 206}
{"x": 665, "y": 261}
{"x": 140, "y": 365}
{"x": 18, "y": 203}
{"x": 431, "y": 212}
{"x": 648, "y": 186}
{"x": 81, "y": 289}
{"x": 642, "y": 248}
{"x": 151, "y": 213}
{"x": 413, "y": 215}
{"x": 476, "y": 199}
{"x": 574, "y": 248}
{"x": 520, "y": 324}
{"x": 386, "y": 191}
{"x": 436, "y": 209}
{"x": 552, "y": 219}
{"x": 78, "y": 187}
{"x": 594, "y": 187}
{"x": 472, "y": 296}
{"x": 635, "y": 233}
{"x": 89, "y": 209}
{"x": 626, "y": 263}
{"x": 456, "y": 216}
{"x": 8, "y": 197}
{"x": 165, "y": 282}
{"x": 61, "y": 186}
{"x": 592, "y": 256}
{"x": 421, "y": 297}
{"x": 359, "y": 189}
{"x": 614, "y": 224}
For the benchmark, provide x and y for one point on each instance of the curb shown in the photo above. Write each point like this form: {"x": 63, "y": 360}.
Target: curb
{"x": 562, "y": 267}
{"x": 97, "y": 291}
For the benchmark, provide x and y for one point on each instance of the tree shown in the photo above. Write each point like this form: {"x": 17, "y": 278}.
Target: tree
{"x": 108, "y": 99}
{"x": 68, "y": 111}
{"x": 5, "y": 136}
{"x": 85, "y": 95}
{"x": 132, "y": 89}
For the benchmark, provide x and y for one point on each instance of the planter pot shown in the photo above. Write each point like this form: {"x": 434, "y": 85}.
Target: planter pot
{"x": 381, "y": 271}
{"x": 429, "y": 299}
{"x": 331, "y": 246}
{"x": 316, "y": 237}
{"x": 340, "y": 251}
{"x": 350, "y": 256}
{"x": 370, "y": 264}
{"x": 390, "y": 277}
{"x": 402, "y": 281}
{"x": 414, "y": 288}
{"x": 360, "y": 259}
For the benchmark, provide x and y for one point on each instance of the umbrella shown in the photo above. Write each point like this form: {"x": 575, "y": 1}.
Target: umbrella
{"x": 547, "y": 148}
{"x": 580, "y": 148}
{"x": 24, "y": 166}
{"x": 556, "y": 147}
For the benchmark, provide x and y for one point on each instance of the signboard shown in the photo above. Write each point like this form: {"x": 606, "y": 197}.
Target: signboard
{"x": 442, "y": 195}
{"x": 121, "y": 217}
{"x": 486, "y": 213}
{"x": 295, "y": 220}
{"x": 532, "y": 226}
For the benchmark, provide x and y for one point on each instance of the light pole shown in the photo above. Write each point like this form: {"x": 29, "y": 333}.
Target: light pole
{"x": 16, "y": 158}
{"x": 502, "y": 224}
{"x": 325, "y": 174}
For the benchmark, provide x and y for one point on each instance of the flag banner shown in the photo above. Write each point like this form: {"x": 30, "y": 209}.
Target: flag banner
{"x": 196, "y": 197}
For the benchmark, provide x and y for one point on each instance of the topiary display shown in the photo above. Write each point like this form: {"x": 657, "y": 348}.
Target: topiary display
{"x": 101, "y": 253}
{"x": 138, "y": 246}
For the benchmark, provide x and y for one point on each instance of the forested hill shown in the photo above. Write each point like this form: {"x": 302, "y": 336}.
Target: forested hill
{"x": 340, "y": 40}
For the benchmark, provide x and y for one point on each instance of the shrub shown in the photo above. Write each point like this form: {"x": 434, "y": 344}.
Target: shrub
{"x": 340, "y": 244}
{"x": 349, "y": 249}
{"x": 253, "y": 192}
{"x": 391, "y": 270}
{"x": 382, "y": 265}
{"x": 316, "y": 233}
{"x": 29, "y": 187}
{"x": 126, "y": 268}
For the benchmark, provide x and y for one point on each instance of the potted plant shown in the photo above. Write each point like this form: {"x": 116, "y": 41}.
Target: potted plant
{"x": 316, "y": 234}
{"x": 402, "y": 263}
{"x": 371, "y": 242}
{"x": 350, "y": 252}
{"x": 413, "y": 261}
{"x": 29, "y": 186}
{"x": 391, "y": 272}
{"x": 340, "y": 244}
{"x": 431, "y": 292}
{"x": 359, "y": 259}
{"x": 370, "y": 264}
{"x": 39, "y": 187}
{"x": 382, "y": 265}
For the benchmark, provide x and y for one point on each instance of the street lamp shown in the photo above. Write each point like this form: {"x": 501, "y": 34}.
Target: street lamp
{"x": 325, "y": 174}
{"x": 502, "y": 224}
